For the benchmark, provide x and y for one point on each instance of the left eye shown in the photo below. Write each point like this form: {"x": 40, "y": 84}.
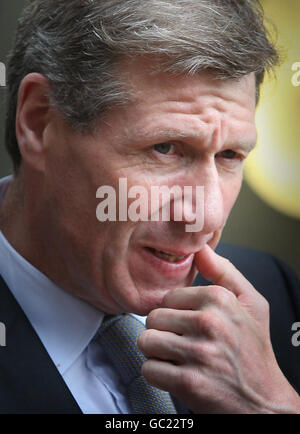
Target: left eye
{"x": 163, "y": 148}
{"x": 229, "y": 154}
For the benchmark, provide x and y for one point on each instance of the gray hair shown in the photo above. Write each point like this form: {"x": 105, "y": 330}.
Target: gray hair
{"x": 77, "y": 46}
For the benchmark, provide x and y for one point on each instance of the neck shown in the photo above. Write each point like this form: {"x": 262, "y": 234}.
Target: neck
{"x": 23, "y": 222}
{"x": 18, "y": 217}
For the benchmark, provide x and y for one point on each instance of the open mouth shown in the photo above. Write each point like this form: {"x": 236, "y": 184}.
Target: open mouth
{"x": 169, "y": 257}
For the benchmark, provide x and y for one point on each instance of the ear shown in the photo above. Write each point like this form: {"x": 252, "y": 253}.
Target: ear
{"x": 32, "y": 119}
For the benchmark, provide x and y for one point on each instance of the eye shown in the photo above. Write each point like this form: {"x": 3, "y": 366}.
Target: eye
{"x": 229, "y": 154}
{"x": 164, "y": 148}
{"x": 230, "y": 159}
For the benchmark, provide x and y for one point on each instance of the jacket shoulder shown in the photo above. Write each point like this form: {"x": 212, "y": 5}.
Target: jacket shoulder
{"x": 29, "y": 381}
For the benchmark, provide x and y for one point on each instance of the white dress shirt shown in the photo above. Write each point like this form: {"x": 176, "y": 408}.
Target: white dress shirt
{"x": 66, "y": 326}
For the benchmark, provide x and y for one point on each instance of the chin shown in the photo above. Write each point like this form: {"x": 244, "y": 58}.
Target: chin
{"x": 151, "y": 299}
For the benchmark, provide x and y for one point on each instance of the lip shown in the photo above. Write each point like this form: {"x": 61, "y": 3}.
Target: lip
{"x": 170, "y": 251}
{"x": 179, "y": 269}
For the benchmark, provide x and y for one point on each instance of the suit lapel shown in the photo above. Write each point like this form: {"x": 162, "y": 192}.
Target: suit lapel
{"x": 29, "y": 380}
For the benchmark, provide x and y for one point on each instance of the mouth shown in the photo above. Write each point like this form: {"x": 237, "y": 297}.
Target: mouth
{"x": 168, "y": 256}
{"x": 157, "y": 263}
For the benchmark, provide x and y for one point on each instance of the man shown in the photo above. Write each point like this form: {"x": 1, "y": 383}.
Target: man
{"x": 159, "y": 93}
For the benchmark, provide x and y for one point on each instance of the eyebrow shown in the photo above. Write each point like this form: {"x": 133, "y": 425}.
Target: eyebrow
{"x": 170, "y": 132}
{"x": 176, "y": 134}
{"x": 166, "y": 134}
{"x": 248, "y": 146}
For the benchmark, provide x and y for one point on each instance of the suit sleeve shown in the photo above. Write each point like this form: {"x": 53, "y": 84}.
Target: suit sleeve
{"x": 287, "y": 354}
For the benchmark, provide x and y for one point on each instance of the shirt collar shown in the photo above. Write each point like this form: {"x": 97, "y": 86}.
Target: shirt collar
{"x": 64, "y": 323}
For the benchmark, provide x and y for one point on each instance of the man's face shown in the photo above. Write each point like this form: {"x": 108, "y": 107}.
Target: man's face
{"x": 184, "y": 131}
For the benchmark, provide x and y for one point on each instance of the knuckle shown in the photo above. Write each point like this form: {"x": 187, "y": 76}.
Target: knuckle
{"x": 187, "y": 381}
{"x": 152, "y": 318}
{"x": 150, "y": 334}
{"x": 145, "y": 338}
{"x": 264, "y": 305}
{"x": 147, "y": 370}
{"x": 141, "y": 341}
{"x": 209, "y": 352}
{"x": 170, "y": 296}
{"x": 208, "y": 323}
{"x": 204, "y": 353}
{"x": 200, "y": 353}
{"x": 199, "y": 326}
{"x": 221, "y": 296}
{"x": 228, "y": 264}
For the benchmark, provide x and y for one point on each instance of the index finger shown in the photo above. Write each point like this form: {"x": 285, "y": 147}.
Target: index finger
{"x": 222, "y": 272}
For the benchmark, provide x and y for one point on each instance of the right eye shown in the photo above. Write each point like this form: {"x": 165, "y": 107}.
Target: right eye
{"x": 164, "y": 148}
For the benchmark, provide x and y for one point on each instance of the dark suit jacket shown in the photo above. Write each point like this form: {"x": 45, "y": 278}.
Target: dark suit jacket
{"x": 30, "y": 382}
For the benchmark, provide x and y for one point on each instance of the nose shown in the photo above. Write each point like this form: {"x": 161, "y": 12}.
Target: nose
{"x": 204, "y": 208}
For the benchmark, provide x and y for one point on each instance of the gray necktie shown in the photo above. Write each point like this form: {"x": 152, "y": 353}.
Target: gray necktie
{"x": 118, "y": 337}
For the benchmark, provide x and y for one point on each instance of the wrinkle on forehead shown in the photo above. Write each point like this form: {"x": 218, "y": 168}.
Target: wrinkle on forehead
{"x": 187, "y": 107}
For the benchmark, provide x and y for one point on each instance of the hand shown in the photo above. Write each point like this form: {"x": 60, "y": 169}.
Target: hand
{"x": 210, "y": 346}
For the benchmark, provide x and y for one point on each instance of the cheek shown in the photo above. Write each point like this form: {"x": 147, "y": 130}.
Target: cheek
{"x": 231, "y": 191}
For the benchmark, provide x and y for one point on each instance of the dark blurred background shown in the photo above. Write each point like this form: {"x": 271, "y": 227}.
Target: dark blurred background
{"x": 253, "y": 223}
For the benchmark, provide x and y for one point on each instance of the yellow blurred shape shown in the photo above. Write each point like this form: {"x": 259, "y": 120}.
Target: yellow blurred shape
{"x": 273, "y": 168}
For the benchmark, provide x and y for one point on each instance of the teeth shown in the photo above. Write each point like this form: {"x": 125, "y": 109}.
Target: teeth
{"x": 167, "y": 256}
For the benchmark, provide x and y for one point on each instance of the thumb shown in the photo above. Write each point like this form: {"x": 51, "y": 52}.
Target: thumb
{"x": 222, "y": 272}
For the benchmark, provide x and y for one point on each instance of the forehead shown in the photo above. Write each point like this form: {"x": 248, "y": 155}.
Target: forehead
{"x": 143, "y": 76}
{"x": 189, "y": 105}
